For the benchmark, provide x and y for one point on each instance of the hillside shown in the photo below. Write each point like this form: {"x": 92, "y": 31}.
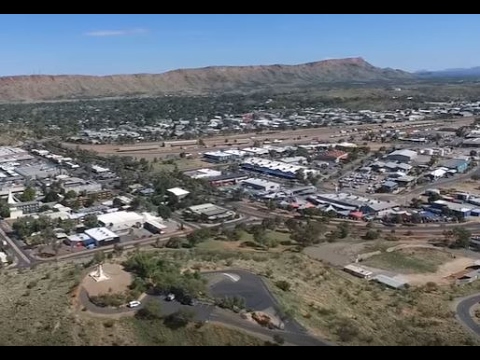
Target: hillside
{"x": 194, "y": 81}
{"x": 450, "y": 73}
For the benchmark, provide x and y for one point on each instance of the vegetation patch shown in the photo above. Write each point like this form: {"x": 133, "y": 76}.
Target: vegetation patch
{"x": 408, "y": 261}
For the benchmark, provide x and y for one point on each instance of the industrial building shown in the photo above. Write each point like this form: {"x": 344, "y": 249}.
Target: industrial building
{"x": 390, "y": 282}
{"x": 102, "y": 236}
{"x": 179, "y": 193}
{"x": 40, "y": 171}
{"x": 459, "y": 210}
{"x": 80, "y": 240}
{"x": 203, "y": 173}
{"x": 227, "y": 179}
{"x": 403, "y": 155}
{"x": 391, "y": 166}
{"x": 358, "y": 271}
{"x": 275, "y": 168}
{"x": 349, "y": 202}
{"x": 209, "y": 213}
{"x": 261, "y": 184}
{"x": 120, "y": 221}
{"x": 154, "y": 226}
{"x": 458, "y": 165}
{"x": 80, "y": 185}
{"x": 13, "y": 154}
{"x": 217, "y": 156}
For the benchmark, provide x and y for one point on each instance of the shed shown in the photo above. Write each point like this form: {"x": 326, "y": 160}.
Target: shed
{"x": 357, "y": 215}
{"x": 390, "y": 282}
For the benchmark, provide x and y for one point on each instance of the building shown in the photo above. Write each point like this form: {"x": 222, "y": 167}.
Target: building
{"x": 179, "y": 193}
{"x": 236, "y": 154}
{"x": 403, "y": 155}
{"x": 180, "y": 143}
{"x": 120, "y": 221}
{"x": 79, "y": 185}
{"x": 97, "y": 169}
{"x": 390, "y": 282}
{"x": 261, "y": 184}
{"x": 276, "y": 168}
{"x": 457, "y": 165}
{"x": 296, "y": 160}
{"x": 459, "y": 210}
{"x": 227, "y": 179}
{"x": 334, "y": 156}
{"x": 217, "y": 156}
{"x": 474, "y": 142}
{"x": 203, "y": 173}
{"x": 208, "y": 213}
{"x": 41, "y": 171}
{"x": 13, "y": 154}
{"x": 154, "y": 226}
{"x": 79, "y": 240}
{"x": 358, "y": 271}
{"x": 389, "y": 186}
{"x": 344, "y": 201}
{"x": 103, "y": 236}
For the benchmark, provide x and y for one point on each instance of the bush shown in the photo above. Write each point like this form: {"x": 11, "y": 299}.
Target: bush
{"x": 179, "y": 319}
{"x": 234, "y": 303}
{"x": 109, "y": 300}
{"x": 283, "y": 285}
{"x": 278, "y": 339}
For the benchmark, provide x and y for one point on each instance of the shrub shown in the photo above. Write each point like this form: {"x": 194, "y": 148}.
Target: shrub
{"x": 283, "y": 285}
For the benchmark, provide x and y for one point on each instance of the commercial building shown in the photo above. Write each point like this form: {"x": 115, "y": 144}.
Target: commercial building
{"x": 102, "y": 236}
{"x": 40, "y": 171}
{"x": 217, "y": 156}
{"x": 344, "y": 201}
{"x": 80, "y": 185}
{"x": 121, "y": 221}
{"x": 458, "y": 165}
{"x": 403, "y": 155}
{"x": 447, "y": 207}
{"x": 209, "y": 213}
{"x": 203, "y": 173}
{"x": 155, "y": 227}
{"x": 179, "y": 193}
{"x": 261, "y": 184}
{"x": 227, "y": 179}
{"x": 80, "y": 240}
{"x": 276, "y": 168}
{"x": 389, "y": 186}
{"x": 13, "y": 154}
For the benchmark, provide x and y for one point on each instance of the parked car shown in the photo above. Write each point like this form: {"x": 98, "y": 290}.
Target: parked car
{"x": 134, "y": 304}
{"x": 170, "y": 297}
{"x": 187, "y": 300}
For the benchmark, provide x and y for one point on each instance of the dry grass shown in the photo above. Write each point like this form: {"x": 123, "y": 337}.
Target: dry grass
{"x": 345, "y": 309}
{"x": 408, "y": 261}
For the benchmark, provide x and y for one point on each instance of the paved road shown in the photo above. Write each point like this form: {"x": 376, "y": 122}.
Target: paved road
{"x": 23, "y": 260}
{"x": 251, "y": 287}
{"x": 463, "y": 313}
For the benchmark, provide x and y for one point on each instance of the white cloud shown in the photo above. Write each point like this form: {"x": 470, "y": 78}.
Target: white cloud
{"x": 104, "y": 33}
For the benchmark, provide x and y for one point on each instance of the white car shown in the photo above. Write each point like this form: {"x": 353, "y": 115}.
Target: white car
{"x": 170, "y": 297}
{"x": 134, "y": 304}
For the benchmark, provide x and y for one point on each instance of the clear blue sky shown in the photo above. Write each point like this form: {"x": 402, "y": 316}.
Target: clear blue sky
{"x": 116, "y": 44}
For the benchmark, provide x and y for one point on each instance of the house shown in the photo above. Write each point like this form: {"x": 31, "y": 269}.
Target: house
{"x": 389, "y": 186}
{"x": 179, "y": 193}
{"x": 403, "y": 155}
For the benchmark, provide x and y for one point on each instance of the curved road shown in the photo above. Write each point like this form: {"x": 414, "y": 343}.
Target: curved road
{"x": 463, "y": 313}
{"x": 249, "y": 286}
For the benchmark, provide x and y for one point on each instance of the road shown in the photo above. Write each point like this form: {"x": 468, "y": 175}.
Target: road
{"x": 229, "y": 283}
{"x": 23, "y": 260}
{"x": 463, "y": 313}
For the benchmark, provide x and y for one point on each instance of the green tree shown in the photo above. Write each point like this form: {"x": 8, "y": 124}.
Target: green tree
{"x": 29, "y": 194}
{"x": 461, "y": 237}
{"x": 164, "y": 211}
{"x": 71, "y": 194}
{"x": 90, "y": 221}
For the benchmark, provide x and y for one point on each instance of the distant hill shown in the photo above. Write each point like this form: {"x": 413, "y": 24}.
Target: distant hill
{"x": 450, "y": 73}
{"x": 194, "y": 81}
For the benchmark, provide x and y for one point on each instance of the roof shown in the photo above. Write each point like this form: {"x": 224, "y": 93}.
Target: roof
{"x": 79, "y": 237}
{"x": 390, "y": 184}
{"x": 260, "y": 182}
{"x": 178, "y": 191}
{"x": 100, "y": 233}
{"x": 156, "y": 224}
{"x": 454, "y": 163}
{"x": 455, "y": 206}
{"x": 120, "y": 217}
{"x": 358, "y": 269}
{"x": 404, "y": 152}
{"x": 389, "y": 281}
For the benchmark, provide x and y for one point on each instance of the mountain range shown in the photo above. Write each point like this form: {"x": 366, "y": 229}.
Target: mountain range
{"x": 214, "y": 79}
{"x": 208, "y": 80}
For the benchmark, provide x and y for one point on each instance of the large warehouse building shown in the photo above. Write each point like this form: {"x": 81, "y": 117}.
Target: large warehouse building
{"x": 402, "y": 155}
{"x": 275, "y": 168}
{"x": 121, "y": 221}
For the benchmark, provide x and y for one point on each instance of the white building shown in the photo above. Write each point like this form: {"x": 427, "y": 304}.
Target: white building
{"x": 261, "y": 184}
{"x": 102, "y": 236}
{"x": 179, "y": 193}
{"x": 276, "y": 168}
{"x": 121, "y": 221}
{"x": 203, "y": 173}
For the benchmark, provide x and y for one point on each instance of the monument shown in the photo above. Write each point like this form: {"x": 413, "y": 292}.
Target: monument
{"x": 98, "y": 275}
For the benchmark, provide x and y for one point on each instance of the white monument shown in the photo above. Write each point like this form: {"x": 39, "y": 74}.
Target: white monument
{"x": 98, "y": 275}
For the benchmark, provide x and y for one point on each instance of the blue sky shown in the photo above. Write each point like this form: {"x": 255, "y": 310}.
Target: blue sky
{"x": 121, "y": 44}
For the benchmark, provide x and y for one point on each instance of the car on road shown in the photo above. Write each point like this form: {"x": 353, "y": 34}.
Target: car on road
{"x": 170, "y": 297}
{"x": 134, "y": 304}
{"x": 188, "y": 301}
